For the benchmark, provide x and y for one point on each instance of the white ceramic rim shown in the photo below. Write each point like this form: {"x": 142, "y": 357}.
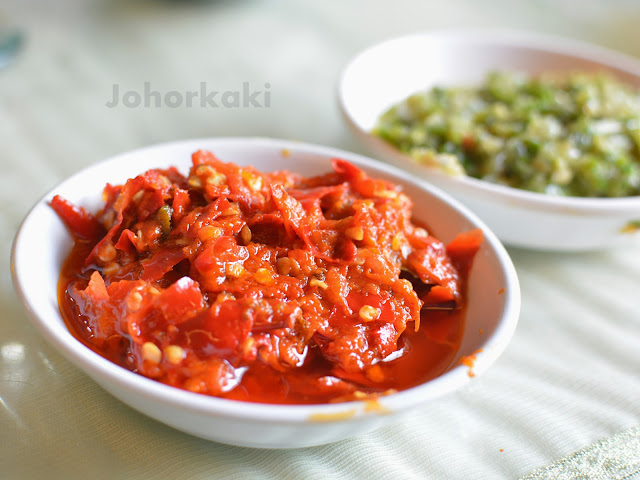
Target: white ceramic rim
{"x": 92, "y": 363}
{"x": 542, "y": 42}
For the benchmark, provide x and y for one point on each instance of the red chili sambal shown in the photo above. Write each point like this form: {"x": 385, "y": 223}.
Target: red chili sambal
{"x": 264, "y": 287}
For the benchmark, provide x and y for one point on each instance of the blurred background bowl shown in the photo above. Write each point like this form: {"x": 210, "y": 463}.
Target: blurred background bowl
{"x": 388, "y": 72}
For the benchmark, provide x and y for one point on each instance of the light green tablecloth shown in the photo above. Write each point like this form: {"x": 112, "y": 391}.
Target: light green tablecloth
{"x": 571, "y": 376}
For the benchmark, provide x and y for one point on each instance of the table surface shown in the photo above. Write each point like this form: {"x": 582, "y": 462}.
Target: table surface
{"x": 569, "y": 378}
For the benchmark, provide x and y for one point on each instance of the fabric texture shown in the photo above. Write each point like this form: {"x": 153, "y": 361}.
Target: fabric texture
{"x": 569, "y": 378}
{"x": 616, "y": 457}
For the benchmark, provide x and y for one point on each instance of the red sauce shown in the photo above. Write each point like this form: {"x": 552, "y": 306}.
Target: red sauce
{"x": 470, "y": 361}
{"x": 265, "y": 287}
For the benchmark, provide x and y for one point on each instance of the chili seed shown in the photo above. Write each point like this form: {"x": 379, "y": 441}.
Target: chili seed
{"x": 386, "y": 193}
{"x": 109, "y": 219}
{"x": 205, "y": 170}
{"x": 320, "y": 273}
{"x": 234, "y": 270}
{"x": 111, "y": 268}
{"x": 283, "y": 265}
{"x": 355, "y": 233}
{"x": 314, "y": 282}
{"x": 151, "y": 352}
{"x": 253, "y": 181}
{"x": 396, "y": 242}
{"x": 295, "y": 266}
{"x": 194, "y": 182}
{"x": 209, "y": 232}
{"x": 233, "y": 209}
{"x": 164, "y": 219}
{"x": 174, "y": 354}
{"x": 137, "y": 196}
{"x": 107, "y": 253}
{"x": 263, "y": 276}
{"x": 245, "y": 235}
{"x": 420, "y": 232}
{"x": 360, "y": 395}
{"x": 369, "y": 313}
{"x": 225, "y": 296}
{"x": 248, "y": 346}
{"x": 134, "y": 301}
{"x": 216, "y": 179}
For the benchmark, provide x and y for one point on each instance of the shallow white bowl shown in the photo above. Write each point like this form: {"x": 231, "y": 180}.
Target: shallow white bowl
{"x": 42, "y": 244}
{"x": 390, "y": 71}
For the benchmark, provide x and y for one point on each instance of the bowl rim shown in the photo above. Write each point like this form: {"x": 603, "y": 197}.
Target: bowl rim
{"x": 100, "y": 368}
{"x": 500, "y": 37}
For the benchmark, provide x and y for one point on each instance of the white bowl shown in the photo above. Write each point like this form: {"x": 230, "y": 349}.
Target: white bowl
{"x": 42, "y": 243}
{"x": 390, "y": 71}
